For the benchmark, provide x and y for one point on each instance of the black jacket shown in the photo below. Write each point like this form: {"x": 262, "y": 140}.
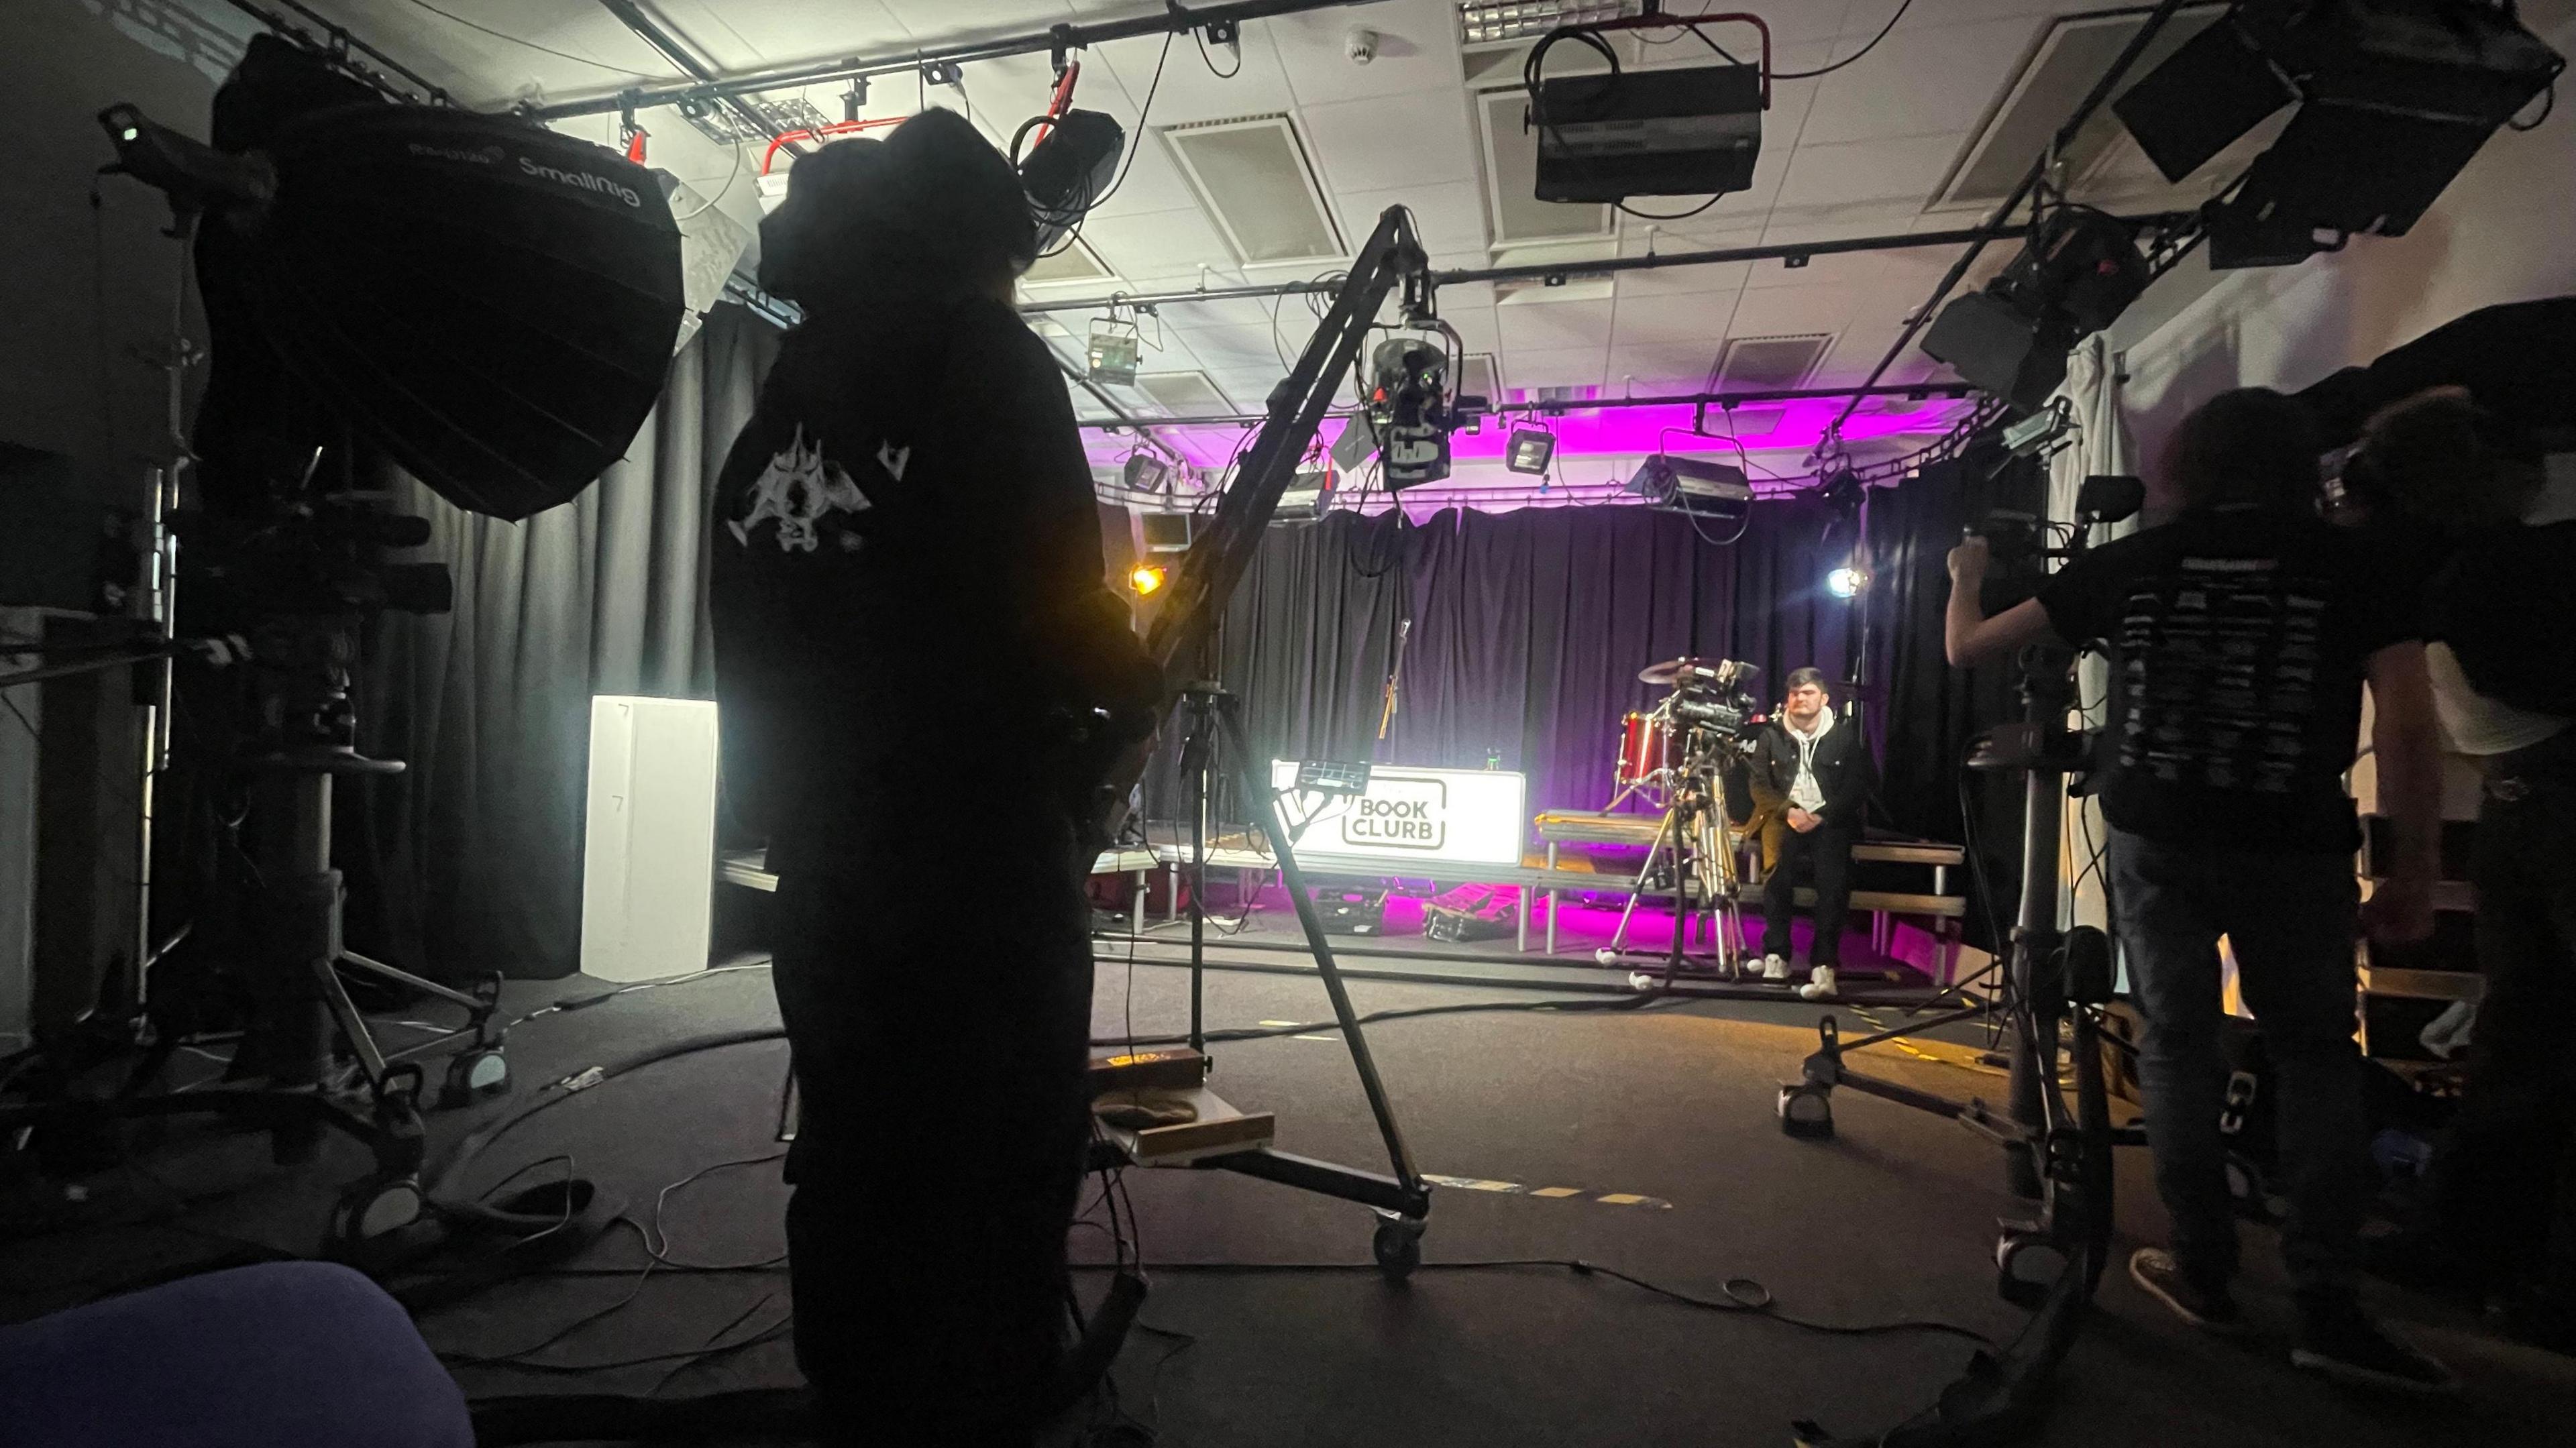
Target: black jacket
{"x": 907, "y": 577}
{"x": 1844, "y": 771}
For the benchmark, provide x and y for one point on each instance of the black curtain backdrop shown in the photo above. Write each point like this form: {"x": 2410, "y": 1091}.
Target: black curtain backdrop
{"x": 1528, "y": 629}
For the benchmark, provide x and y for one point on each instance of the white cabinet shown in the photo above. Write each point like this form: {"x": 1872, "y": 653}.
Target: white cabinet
{"x": 648, "y": 867}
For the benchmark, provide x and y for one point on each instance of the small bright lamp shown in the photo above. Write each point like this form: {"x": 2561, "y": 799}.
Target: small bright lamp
{"x": 1145, "y": 578}
{"x": 1846, "y": 582}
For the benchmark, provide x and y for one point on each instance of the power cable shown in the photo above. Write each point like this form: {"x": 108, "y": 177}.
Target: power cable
{"x": 1902, "y": 7}
{"x": 1744, "y": 1295}
{"x": 1205, "y": 59}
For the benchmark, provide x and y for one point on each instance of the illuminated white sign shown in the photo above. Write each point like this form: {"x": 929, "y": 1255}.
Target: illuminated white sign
{"x": 1413, "y": 816}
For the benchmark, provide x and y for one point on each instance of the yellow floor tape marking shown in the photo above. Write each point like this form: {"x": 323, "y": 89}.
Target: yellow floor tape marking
{"x": 1515, "y": 1189}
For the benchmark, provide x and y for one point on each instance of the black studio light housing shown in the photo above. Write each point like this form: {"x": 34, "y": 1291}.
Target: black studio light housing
{"x": 1073, "y": 164}
{"x": 1530, "y": 450}
{"x": 2078, "y": 271}
{"x": 2394, "y": 98}
{"x": 1691, "y": 130}
{"x": 490, "y": 304}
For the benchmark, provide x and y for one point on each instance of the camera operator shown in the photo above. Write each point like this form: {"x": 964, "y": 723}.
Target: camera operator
{"x": 1811, "y": 783}
{"x": 910, "y": 612}
{"x": 2498, "y": 608}
{"x": 2240, "y": 635}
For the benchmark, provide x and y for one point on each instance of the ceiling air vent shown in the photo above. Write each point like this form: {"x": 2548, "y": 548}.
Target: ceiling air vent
{"x": 1184, "y": 394}
{"x": 1769, "y": 364}
{"x": 1479, "y": 375}
{"x": 1511, "y": 178}
{"x": 2069, "y": 57}
{"x": 1073, "y": 262}
{"x": 1259, "y": 188}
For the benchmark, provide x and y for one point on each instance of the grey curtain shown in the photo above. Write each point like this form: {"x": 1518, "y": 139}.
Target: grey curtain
{"x": 470, "y": 861}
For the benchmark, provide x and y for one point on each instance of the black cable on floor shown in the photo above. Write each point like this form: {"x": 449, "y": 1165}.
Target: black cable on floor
{"x": 1743, "y": 1294}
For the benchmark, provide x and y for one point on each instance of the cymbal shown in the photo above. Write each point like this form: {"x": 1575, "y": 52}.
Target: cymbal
{"x": 1691, "y": 671}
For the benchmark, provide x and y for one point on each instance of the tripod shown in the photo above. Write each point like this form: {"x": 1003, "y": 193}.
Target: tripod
{"x": 1695, "y": 845}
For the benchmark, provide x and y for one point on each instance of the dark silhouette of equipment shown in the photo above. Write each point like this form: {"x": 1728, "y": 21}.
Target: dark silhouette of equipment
{"x": 2394, "y": 97}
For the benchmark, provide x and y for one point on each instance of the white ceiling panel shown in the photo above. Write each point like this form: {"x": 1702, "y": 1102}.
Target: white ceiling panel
{"x": 1667, "y": 367}
{"x": 1859, "y": 173}
{"x": 1228, "y": 348}
{"x": 1548, "y": 325}
{"x": 1447, "y": 216}
{"x": 1781, "y": 311}
{"x": 1475, "y": 325}
{"x": 1221, "y": 312}
{"x": 1157, "y": 244}
{"x": 1809, "y": 20}
{"x": 1528, "y": 369}
{"x": 1372, "y": 145}
{"x": 1657, "y": 320}
{"x": 946, "y": 20}
{"x": 1922, "y": 81}
{"x": 1417, "y": 51}
{"x": 1190, "y": 89}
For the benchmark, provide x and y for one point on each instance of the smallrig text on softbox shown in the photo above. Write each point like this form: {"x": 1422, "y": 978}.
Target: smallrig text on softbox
{"x": 491, "y": 303}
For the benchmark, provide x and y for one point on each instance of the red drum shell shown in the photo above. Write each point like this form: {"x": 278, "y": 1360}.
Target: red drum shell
{"x": 1645, "y": 747}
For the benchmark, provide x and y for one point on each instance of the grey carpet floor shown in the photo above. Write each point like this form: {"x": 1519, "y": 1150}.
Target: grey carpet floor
{"x": 1894, "y": 1218}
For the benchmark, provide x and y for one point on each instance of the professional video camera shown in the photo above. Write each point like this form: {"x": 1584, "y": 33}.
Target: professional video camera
{"x": 2022, "y": 544}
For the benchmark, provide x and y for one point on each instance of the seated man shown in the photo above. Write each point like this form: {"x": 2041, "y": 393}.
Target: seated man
{"x": 1811, "y": 784}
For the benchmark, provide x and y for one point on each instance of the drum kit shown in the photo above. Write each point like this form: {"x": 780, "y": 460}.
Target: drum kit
{"x": 1674, "y": 756}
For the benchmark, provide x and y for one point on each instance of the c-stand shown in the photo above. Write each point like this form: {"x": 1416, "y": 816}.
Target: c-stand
{"x": 292, "y": 964}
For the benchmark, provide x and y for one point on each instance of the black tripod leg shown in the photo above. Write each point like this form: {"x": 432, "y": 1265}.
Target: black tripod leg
{"x": 1265, "y": 805}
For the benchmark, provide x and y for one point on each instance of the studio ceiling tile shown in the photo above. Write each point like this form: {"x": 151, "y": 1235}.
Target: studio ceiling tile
{"x": 1159, "y": 246}
{"x": 1533, "y": 368}
{"x": 1551, "y": 325}
{"x": 1858, "y": 172}
{"x": 1417, "y": 50}
{"x": 1394, "y": 141}
{"x": 1702, "y": 320}
{"x": 1663, "y": 368}
{"x": 1923, "y": 81}
{"x": 1447, "y": 215}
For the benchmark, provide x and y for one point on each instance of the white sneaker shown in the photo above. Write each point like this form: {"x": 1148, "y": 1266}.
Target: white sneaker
{"x": 1774, "y": 968}
{"x": 1820, "y": 984}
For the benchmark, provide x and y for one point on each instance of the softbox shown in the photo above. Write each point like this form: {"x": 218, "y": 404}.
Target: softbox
{"x": 492, "y": 304}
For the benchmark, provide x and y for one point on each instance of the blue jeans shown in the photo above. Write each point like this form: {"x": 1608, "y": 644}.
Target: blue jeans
{"x": 2290, "y": 920}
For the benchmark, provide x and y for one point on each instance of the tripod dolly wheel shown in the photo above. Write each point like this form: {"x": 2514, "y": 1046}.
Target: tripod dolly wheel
{"x": 1807, "y": 1111}
{"x": 376, "y": 1207}
{"x": 2027, "y": 1260}
{"x": 1397, "y": 1246}
{"x": 473, "y": 1074}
